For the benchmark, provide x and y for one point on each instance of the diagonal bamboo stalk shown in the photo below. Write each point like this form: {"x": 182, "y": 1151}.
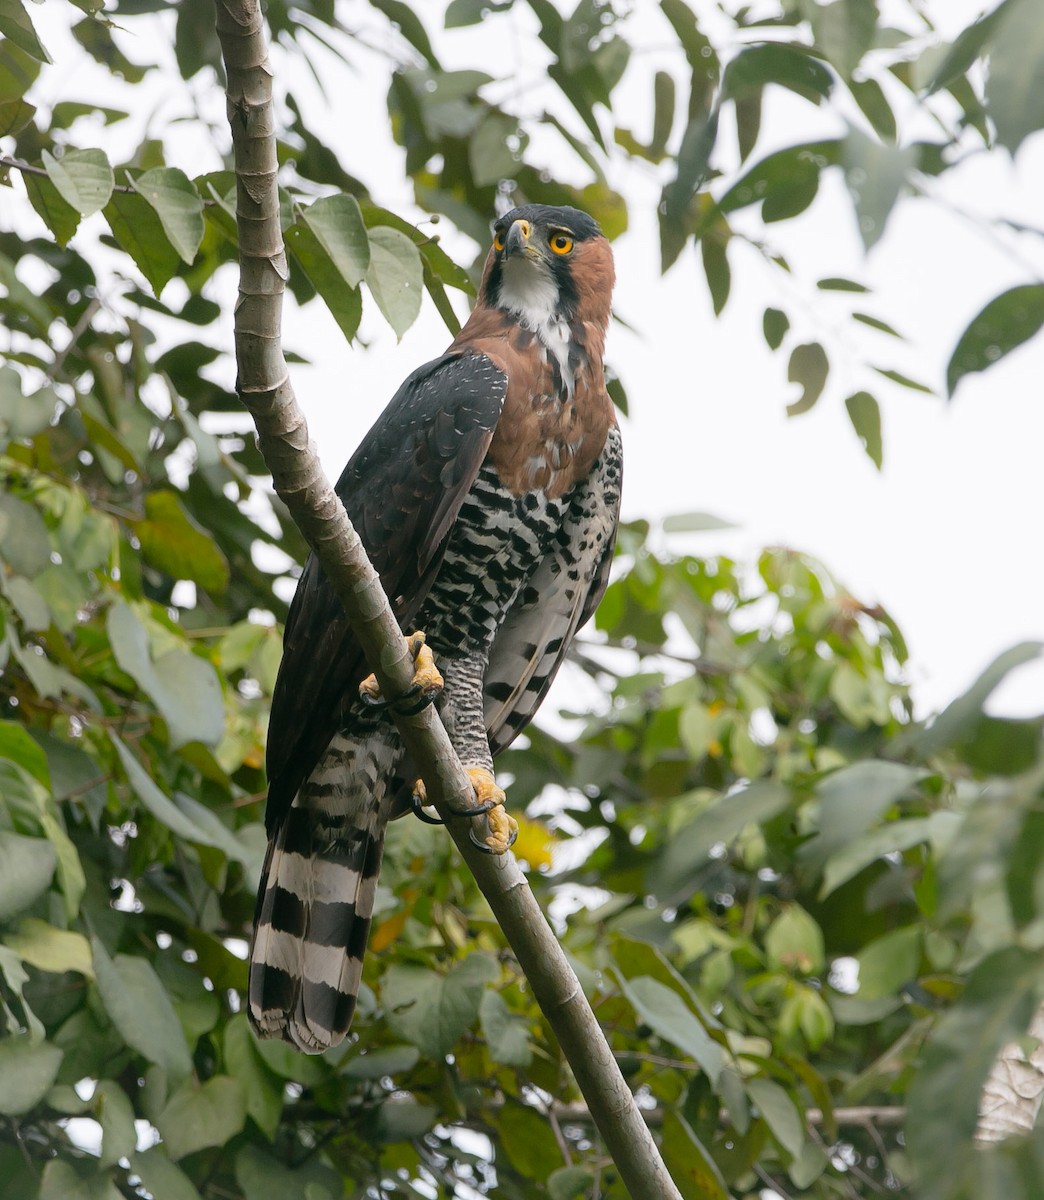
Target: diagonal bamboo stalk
{"x": 264, "y": 387}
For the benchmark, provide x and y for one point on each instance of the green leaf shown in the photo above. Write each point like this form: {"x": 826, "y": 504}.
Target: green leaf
{"x": 116, "y": 1116}
{"x": 60, "y": 1182}
{"x": 794, "y": 942}
{"x": 844, "y": 31}
{"x": 432, "y": 1011}
{"x": 891, "y": 838}
{"x": 338, "y": 225}
{"x": 65, "y": 112}
{"x": 24, "y": 416}
{"x": 969, "y": 45}
{"x": 137, "y": 231}
{"x": 716, "y": 268}
{"x": 27, "y": 602}
{"x": 569, "y": 1183}
{"x": 27, "y": 1071}
{"x": 27, "y": 866}
{"x": 410, "y": 26}
{"x": 50, "y": 949}
{"x": 71, "y": 878}
{"x": 184, "y": 686}
{"x": 173, "y": 196}
{"x": 262, "y": 1089}
{"x": 16, "y": 25}
{"x": 955, "y": 719}
{"x": 490, "y": 155}
{"x": 695, "y": 522}
{"x": 875, "y": 173}
{"x": 528, "y": 1140}
{"x": 873, "y": 102}
{"x": 904, "y": 380}
{"x": 344, "y": 303}
{"x": 15, "y": 976}
{"x": 699, "y": 52}
{"x": 83, "y": 178}
{"x": 789, "y": 66}
{"x": 14, "y": 116}
{"x": 838, "y": 284}
{"x": 263, "y": 1177}
{"x": 507, "y": 1038}
{"x": 779, "y": 1114}
{"x": 693, "y": 164}
{"x": 1006, "y": 322}
{"x": 878, "y": 324}
{"x": 18, "y": 747}
{"x": 140, "y": 1008}
{"x": 470, "y": 12}
{"x": 161, "y": 1177}
{"x": 774, "y": 325}
{"x": 24, "y": 544}
{"x": 694, "y": 1172}
{"x": 851, "y": 800}
{"x": 174, "y": 543}
{"x": 888, "y": 963}
{"x": 721, "y": 823}
{"x": 404, "y": 1120}
{"x": 60, "y": 218}
{"x": 664, "y": 105}
{"x": 395, "y": 277}
{"x": 865, "y": 414}
{"x": 202, "y": 1115}
{"x": 1014, "y": 96}
{"x": 808, "y": 366}
{"x": 187, "y": 818}
{"x": 389, "y": 1060}
{"x": 666, "y": 1013}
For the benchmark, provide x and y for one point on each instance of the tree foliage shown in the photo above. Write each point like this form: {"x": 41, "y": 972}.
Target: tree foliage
{"x": 808, "y": 921}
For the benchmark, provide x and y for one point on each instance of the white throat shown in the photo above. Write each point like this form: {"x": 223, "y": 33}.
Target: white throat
{"x": 531, "y": 295}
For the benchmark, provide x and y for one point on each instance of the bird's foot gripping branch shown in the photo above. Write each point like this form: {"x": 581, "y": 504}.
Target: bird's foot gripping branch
{"x": 425, "y": 687}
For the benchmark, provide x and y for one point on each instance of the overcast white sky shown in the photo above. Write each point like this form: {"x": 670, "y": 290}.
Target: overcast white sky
{"x": 947, "y": 537}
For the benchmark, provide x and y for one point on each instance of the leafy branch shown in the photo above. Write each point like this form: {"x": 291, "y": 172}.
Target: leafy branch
{"x": 265, "y": 389}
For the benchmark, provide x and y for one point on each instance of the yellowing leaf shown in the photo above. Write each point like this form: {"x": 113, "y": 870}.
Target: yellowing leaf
{"x": 50, "y": 949}
{"x": 535, "y": 843}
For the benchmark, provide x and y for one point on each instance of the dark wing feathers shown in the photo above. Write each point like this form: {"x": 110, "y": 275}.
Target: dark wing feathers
{"x": 402, "y": 489}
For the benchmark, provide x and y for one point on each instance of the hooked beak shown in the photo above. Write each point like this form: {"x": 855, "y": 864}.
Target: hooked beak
{"x": 517, "y": 240}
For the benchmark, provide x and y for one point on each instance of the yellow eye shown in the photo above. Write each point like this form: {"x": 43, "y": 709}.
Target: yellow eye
{"x": 498, "y": 241}
{"x": 561, "y": 243}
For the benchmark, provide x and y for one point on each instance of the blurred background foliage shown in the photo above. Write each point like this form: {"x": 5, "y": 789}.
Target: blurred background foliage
{"x": 806, "y": 919}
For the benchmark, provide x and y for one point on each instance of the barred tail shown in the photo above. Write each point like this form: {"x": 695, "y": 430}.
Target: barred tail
{"x": 312, "y": 920}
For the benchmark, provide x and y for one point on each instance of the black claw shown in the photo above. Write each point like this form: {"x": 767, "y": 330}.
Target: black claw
{"x": 421, "y": 815}
{"x": 486, "y": 849}
{"x": 477, "y": 810}
{"x": 408, "y": 704}
{"x": 415, "y": 700}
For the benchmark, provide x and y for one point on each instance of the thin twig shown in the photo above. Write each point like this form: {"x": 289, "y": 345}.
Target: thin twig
{"x": 74, "y": 336}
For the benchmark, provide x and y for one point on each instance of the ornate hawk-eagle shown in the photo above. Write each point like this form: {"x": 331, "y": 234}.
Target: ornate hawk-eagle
{"x": 487, "y": 497}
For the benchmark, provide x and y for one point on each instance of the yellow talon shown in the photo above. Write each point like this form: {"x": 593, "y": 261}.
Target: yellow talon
{"x": 425, "y": 686}
{"x": 503, "y": 828}
{"x": 489, "y": 800}
{"x": 426, "y": 675}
